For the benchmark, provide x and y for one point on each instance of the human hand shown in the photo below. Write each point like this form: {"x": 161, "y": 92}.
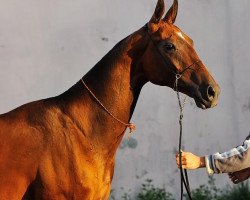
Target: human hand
{"x": 237, "y": 177}
{"x": 190, "y": 161}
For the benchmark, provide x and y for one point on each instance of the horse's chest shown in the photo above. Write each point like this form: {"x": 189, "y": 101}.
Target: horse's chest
{"x": 75, "y": 177}
{"x": 89, "y": 191}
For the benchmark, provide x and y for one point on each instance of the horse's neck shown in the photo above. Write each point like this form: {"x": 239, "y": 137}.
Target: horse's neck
{"x": 116, "y": 81}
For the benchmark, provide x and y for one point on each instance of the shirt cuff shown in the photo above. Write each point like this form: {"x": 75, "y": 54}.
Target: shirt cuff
{"x": 209, "y": 164}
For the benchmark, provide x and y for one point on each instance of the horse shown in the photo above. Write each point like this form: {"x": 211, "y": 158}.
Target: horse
{"x": 64, "y": 147}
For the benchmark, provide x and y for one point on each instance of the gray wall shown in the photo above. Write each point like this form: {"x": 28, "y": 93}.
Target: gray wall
{"x": 47, "y": 45}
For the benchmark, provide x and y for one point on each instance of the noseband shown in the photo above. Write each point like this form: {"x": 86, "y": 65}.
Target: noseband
{"x": 178, "y": 75}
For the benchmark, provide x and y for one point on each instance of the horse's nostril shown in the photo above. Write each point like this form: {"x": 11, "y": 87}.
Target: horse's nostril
{"x": 210, "y": 92}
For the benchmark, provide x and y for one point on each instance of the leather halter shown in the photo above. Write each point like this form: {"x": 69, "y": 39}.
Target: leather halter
{"x": 177, "y": 74}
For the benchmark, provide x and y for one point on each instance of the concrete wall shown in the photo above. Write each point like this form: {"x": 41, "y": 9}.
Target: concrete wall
{"x": 47, "y": 45}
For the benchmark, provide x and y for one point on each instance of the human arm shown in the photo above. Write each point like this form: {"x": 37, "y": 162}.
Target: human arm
{"x": 233, "y": 160}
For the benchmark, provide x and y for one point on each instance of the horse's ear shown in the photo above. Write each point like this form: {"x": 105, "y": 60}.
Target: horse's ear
{"x": 159, "y": 11}
{"x": 172, "y": 13}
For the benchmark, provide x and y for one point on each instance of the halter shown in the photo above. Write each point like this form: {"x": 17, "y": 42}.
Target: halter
{"x": 178, "y": 76}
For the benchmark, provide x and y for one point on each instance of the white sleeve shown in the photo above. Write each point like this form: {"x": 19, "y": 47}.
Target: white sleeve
{"x": 233, "y": 160}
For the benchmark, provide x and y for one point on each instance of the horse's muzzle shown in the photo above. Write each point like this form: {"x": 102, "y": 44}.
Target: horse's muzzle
{"x": 207, "y": 96}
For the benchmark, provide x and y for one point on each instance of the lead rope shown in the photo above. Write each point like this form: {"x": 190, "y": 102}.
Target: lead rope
{"x": 131, "y": 126}
{"x": 183, "y": 176}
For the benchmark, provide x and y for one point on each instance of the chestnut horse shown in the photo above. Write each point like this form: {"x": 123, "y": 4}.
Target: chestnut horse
{"x": 64, "y": 147}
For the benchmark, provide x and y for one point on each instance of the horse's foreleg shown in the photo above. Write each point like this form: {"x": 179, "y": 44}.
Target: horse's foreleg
{"x": 15, "y": 177}
{"x": 13, "y": 186}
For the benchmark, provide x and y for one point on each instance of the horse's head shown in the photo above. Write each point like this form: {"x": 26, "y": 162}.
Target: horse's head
{"x": 171, "y": 52}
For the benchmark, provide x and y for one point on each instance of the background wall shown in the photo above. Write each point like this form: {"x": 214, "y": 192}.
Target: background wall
{"x": 47, "y": 45}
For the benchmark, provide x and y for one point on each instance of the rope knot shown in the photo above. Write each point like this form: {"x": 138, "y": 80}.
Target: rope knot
{"x": 131, "y": 127}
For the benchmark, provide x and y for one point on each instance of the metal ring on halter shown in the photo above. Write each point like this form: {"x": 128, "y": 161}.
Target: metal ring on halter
{"x": 178, "y": 76}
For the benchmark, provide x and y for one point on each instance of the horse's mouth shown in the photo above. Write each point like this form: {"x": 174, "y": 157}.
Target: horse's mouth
{"x": 201, "y": 101}
{"x": 203, "y": 104}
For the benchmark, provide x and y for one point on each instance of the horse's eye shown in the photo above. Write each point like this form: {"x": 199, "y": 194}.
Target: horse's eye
{"x": 169, "y": 46}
